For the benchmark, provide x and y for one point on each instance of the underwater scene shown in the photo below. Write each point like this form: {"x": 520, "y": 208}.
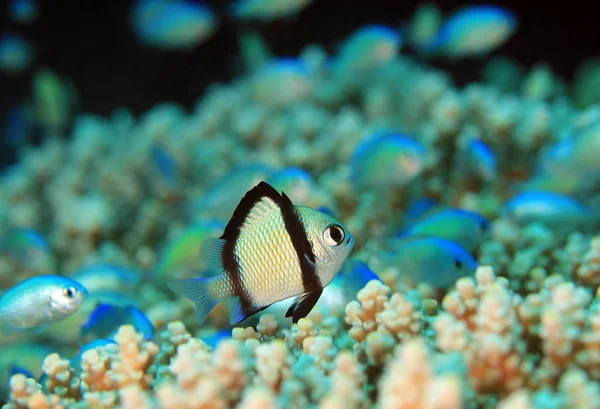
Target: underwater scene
{"x": 299, "y": 204}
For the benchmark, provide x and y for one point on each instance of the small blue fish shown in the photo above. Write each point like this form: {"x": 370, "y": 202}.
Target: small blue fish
{"x": 559, "y": 212}
{"x": 355, "y": 274}
{"x": 15, "y": 369}
{"x": 295, "y": 182}
{"x": 23, "y": 11}
{"x": 24, "y": 245}
{"x": 106, "y": 319}
{"x": 172, "y": 25}
{"x": 16, "y": 54}
{"x": 386, "y": 160}
{"x": 220, "y": 199}
{"x": 97, "y": 343}
{"x": 482, "y": 160}
{"x": 165, "y": 164}
{"x": 475, "y": 30}
{"x": 463, "y": 227}
{"x": 418, "y": 210}
{"x": 107, "y": 277}
{"x": 281, "y": 82}
{"x": 38, "y": 302}
{"x": 266, "y": 10}
{"x": 214, "y": 337}
{"x": 436, "y": 261}
{"x": 368, "y": 47}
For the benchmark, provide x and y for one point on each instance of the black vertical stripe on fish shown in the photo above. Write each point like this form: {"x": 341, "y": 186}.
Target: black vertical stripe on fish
{"x": 299, "y": 238}
{"x": 231, "y": 235}
{"x": 303, "y": 305}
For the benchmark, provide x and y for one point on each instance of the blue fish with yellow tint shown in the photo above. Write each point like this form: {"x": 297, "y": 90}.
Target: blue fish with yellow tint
{"x": 296, "y": 182}
{"x": 266, "y": 10}
{"x": 482, "y": 160}
{"x": 38, "y": 302}
{"x": 218, "y": 202}
{"x": 172, "y": 25}
{"x": 270, "y": 250}
{"x": 367, "y": 48}
{"x": 281, "y": 81}
{"x": 557, "y": 211}
{"x": 386, "y": 160}
{"x": 107, "y": 277}
{"x": 461, "y": 226}
{"x": 29, "y": 249}
{"x": 433, "y": 260}
{"x": 105, "y": 320}
{"x": 355, "y": 274}
{"x": 475, "y": 30}
{"x": 181, "y": 255}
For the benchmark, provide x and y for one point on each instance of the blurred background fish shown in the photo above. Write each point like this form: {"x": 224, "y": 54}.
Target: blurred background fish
{"x": 172, "y": 24}
{"x": 266, "y": 10}
{"x": 387, "y": 159}
{"x": 16, "y": 53}
{"x": 23, "y": 11}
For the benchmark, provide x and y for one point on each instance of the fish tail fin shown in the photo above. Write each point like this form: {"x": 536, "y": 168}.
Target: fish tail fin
{"x": 199, "y": 291}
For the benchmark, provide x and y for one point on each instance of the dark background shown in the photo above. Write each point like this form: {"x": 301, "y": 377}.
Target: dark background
{"x": 91, "y": 42}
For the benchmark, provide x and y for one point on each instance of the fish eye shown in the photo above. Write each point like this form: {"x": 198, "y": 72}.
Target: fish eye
{"x": 69, "y": 292}
{"x": 333, "y": 235}
{"x": 458, "y": 263}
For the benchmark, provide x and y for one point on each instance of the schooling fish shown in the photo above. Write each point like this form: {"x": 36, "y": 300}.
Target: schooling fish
{"x": 270, "y": 250}
{"x": 38, "y": 302}
{"x": 386, "y": 160}
{"x": 475, "y": 30}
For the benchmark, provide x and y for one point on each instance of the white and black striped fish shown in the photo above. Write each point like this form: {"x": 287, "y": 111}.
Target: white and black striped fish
{"x": 270, "y": 250}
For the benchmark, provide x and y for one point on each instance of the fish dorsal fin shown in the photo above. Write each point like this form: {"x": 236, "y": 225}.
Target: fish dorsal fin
{"x": 211, "y": 253}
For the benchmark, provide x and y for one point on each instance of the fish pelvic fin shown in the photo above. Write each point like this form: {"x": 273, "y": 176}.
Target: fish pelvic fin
{"x": 198, "y": 290}
{"x": 303, "y": 305}
{"x": 239, "y": 312}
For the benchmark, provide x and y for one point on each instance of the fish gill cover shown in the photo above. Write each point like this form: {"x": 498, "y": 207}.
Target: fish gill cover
{"x": 418, "y": 183}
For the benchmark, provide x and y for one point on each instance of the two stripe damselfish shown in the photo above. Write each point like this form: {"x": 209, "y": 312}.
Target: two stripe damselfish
{"x": 269, "y": 251}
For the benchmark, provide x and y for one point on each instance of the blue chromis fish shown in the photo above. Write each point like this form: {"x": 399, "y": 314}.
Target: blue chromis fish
{"x": 355, "y": 274}
{"x": 369, "y": 47}
{"x": 105, "y": 320}
{"x": 281, "y": 82}
{"x": 475, "y": 30}
{"x": 463, "y": 227}
{"x": 433, "y": 260}
{"x": 482, "y": 160}
{"x": 557, "y": 211}
{"x": 175, "y": 24}
{"x": 386, "y": 160}
{"x": 38, "y": 302}
{"x": 296, "y": 182}
{"x": 16, "y": 54}
{"x": 182, "y": 254}
{"x": 270, "y": 250}
{"x": 23, "y": 11}
{"x": 266, "y": 10}
{"x": 29, "y": 249}
{"x": 107, "y": 277}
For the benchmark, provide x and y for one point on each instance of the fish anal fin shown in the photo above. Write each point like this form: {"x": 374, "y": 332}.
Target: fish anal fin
{"x": 240, "y": 313}
{"x": 303, "y": 305}
{"x": 211, "y": 253}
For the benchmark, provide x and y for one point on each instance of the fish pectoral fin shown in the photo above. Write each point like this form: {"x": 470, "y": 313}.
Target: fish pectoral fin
{"x": 303, "y": 305}
{"x": 240, "y": 313}
{"x": 211, "y": 253}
